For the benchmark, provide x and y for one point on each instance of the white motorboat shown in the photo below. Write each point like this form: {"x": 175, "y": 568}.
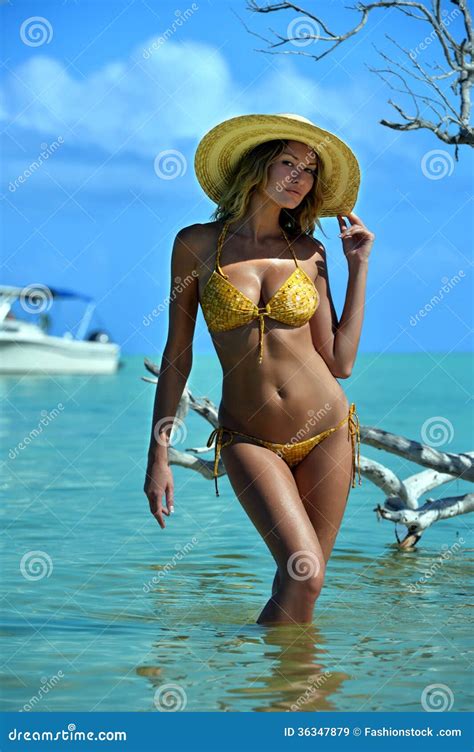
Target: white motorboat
{"x": 27, "y": 347}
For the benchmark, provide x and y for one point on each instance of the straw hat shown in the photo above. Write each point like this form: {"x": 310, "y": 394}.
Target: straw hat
{"x": 221, "y": 148}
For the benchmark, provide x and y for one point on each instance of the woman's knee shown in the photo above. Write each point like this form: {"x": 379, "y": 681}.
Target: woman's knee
{"x": 304, "y": 571}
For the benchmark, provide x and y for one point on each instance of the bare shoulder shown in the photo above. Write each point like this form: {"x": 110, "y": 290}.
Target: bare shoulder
{"x": 313, "y": 254}
{"x": 198, "y": 233}
{"x": 197, "y": 240}
{"x": 311, "y": 247}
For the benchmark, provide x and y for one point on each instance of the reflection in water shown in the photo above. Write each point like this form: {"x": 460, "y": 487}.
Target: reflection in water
{"x": 289, "y": 674}
{"x": 296, "y": 677}
{"x": 129, "y": 609}
{"x": 341, "y": 662}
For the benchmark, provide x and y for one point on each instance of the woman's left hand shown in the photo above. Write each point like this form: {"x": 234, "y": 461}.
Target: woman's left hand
{"x": 357, "y": 240}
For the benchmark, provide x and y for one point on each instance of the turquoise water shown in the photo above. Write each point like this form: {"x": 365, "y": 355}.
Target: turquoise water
{"x": 88, "y": 628}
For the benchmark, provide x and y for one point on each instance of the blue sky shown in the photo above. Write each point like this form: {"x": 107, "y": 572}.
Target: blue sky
{"x": 96, "y": 217}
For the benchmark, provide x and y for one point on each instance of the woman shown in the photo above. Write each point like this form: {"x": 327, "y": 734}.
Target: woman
{"x": 262, "y": 281}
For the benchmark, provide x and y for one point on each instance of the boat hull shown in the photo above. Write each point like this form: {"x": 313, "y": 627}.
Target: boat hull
{"x": 56, "y": 355}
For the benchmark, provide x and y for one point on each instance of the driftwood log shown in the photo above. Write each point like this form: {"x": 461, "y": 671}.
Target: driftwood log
{"x": 401, "y": 504}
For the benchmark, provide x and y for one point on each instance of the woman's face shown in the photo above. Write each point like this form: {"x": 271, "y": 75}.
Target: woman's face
{"x": 291, "y": 176}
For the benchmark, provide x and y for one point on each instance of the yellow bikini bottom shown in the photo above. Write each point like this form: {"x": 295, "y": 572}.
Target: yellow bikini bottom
{"x": 293, "y": 453}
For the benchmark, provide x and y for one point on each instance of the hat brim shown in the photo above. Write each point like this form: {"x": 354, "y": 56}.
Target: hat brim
{"x": 222, "y": 147}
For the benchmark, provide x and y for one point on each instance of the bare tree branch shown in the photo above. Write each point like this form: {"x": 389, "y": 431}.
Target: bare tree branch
{"x": 453, "y": 123}
{"x": 432, "y": 511}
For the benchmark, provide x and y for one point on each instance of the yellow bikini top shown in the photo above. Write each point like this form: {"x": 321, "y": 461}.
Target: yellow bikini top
{"x": 225, "y": 307}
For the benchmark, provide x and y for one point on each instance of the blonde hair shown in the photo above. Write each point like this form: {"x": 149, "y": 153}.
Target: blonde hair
{"x": 251, "y": 173}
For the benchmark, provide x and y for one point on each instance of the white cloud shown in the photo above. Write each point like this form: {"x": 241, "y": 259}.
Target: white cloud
{"x": 137, "y": 106}
{"x": 150, "y": 102}
{"x": 167, "y": 98}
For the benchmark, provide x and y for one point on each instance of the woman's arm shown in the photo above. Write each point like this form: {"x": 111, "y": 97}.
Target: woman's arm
{"x": 337, "y": 341}
{"x": 175, "y": 368}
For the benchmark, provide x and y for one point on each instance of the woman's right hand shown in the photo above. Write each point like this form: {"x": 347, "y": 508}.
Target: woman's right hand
{"x": 159, "y": 481}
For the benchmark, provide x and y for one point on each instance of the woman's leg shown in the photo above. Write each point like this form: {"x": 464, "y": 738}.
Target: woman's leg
{"x": 323, "y": 479}
{"x": 266, "y": 488}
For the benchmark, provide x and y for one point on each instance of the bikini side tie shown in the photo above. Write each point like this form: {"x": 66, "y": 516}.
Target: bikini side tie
{"x": 354, "y": 431}
{"x": 217, "y": 434}
{"x": 353, "y": 424}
